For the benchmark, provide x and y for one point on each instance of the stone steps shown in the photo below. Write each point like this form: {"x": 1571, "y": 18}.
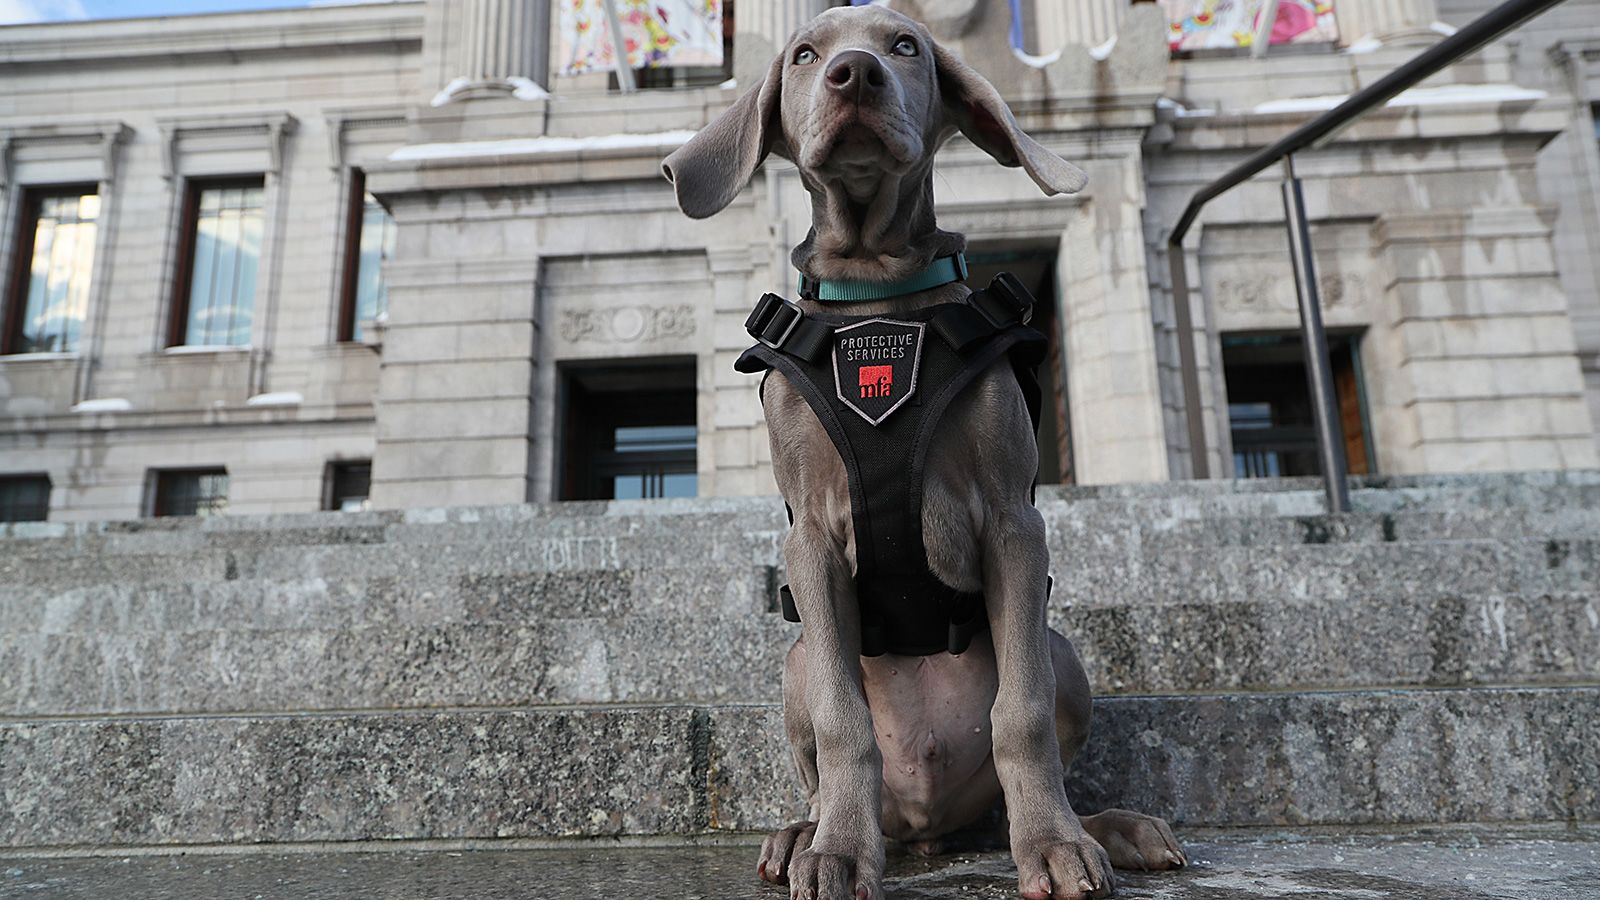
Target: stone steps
{"x": 503, "y": 655}
{"x": 1304, "y": 758}
{"x": 760, "y": 527}
{"x": 612, "y": 668}
{"x": 1169, "y": 567}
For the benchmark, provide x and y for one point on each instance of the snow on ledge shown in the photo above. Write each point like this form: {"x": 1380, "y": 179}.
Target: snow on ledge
{"x": 527, "y": 89}
{"x": 279, "y": 398}
{"x": 1182, "y": 112}
{"x": 449, "y": 91}
{"x": 1037, "y": 62}
{"x": 104, "y": 405}
{"x": 1368, "y": 44}
{"x": 1443, "y": 28}
{"x": 1103, "y": 51}
{"x": 1445, "y": 95}
{"x": 660, "y": 140}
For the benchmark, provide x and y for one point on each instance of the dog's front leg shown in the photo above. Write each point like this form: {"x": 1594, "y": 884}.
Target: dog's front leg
{"x": 845, "y": 858}
{"x": 1056, "y": 859}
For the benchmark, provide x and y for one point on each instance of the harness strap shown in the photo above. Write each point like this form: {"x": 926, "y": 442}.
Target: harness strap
{"x": 783, "y": 326}
{"x": 905, "y": 609}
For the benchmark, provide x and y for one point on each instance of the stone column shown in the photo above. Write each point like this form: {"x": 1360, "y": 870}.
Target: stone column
{"x": 761, "y": 29}
{"x": 1391, "y": 21}
{"x": 1087, "y": 23}
{"x": 1108, "y": 330}
{"x": 500, "y": 43}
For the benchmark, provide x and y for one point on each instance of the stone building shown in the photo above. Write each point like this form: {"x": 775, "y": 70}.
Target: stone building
{"x": 320, "y": 258}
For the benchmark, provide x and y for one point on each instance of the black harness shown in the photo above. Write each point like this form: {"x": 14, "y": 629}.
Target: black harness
{"x": 880, "y": 386}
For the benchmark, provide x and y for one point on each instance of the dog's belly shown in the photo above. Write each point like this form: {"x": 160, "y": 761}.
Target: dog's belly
{"x": 931, "y": 717}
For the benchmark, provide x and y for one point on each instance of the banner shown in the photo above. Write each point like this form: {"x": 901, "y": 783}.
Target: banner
{"x": 655, "y": 34}
{"x": 1210, "y": 24}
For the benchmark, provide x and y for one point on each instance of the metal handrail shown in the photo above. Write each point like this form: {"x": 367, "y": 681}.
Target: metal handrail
{"x": 1318, "y": 131}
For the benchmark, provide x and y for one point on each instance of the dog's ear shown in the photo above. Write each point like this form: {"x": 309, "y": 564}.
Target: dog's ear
{"x": 714, "y": 166}
{"x": 973, "y": 105}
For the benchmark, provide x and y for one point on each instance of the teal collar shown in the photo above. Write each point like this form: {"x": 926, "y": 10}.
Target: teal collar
{"x": 942, "y": 271}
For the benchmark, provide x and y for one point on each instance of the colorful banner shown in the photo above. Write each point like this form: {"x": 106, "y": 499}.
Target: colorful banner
{"x": 1228, "y": 24}
{"x": 655, "y": 33}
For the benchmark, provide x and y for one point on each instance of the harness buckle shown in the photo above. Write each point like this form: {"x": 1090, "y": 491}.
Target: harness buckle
{"x": 769, "y": 312}
{"x": 1005, "y": 301}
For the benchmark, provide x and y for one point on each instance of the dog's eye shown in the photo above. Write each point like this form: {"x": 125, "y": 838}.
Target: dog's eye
{"x": 905, "y": 47}
{"x": 805, "y": 57}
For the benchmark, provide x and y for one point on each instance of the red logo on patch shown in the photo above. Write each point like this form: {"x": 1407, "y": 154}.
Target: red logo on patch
{"x": 877, "y": 381}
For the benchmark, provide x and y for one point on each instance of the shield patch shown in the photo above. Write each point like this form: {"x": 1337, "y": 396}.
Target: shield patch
{"x": 875, "y": 365}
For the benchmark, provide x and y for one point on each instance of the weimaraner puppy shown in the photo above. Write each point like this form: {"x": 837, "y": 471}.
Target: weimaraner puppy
{"x": 912, "y": 747}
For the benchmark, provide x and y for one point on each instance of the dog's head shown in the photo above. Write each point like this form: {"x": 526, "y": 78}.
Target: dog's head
{"x": 860, "y": 97}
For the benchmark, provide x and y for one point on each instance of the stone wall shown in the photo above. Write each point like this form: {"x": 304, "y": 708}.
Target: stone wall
{"x": 300, "y": 95}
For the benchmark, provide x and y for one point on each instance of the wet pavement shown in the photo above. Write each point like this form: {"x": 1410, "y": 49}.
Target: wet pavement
{"x": 1453, "y": 864}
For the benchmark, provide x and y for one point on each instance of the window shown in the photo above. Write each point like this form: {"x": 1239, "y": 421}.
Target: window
{"x": 24, "y": 498}
{"x": 348, "y": 486}
{"x": 49, "y": 294}
{"x": 191, "y": 492}
{"x": 1269, "y": 406}
{"x": 629, "y": 431}
{"x": 216, "y": 291}
{"x": 369, "y": 241}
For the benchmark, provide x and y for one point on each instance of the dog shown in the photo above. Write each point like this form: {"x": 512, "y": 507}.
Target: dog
{"x": 913, "y": 748}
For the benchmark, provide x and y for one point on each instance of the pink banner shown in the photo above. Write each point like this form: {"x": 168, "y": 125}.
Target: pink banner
{"x": 1212, "y": 24}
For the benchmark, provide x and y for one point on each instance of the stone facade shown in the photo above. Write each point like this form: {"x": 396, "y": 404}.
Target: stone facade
{"x": 1456, "y": 234}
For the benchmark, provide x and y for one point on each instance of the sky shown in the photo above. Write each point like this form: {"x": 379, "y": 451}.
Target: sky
{"x": 13, "y": 12}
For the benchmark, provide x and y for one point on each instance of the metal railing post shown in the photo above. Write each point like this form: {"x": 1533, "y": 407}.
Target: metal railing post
{"x": 1319, "y": 374}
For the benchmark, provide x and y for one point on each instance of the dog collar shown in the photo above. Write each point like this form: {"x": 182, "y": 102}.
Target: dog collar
{"x": 942, "y": 271}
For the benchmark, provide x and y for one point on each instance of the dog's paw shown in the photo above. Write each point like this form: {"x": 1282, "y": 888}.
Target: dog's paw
{"x": 780, "y": 848}
{"x": 1135, "y": 841}
{"x": 834, "y": 876}
{"x": 1067, "y": 868}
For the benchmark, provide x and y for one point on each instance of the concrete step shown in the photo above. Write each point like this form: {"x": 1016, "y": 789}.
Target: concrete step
{"x": 427, "y": 598}
{"x": 1352, "y": 758}
{"x": 544, "y": 649}
{"x": 1076, "y": 559}
{"x": 560, "y": 533}
{"x": 1461, "y": 863}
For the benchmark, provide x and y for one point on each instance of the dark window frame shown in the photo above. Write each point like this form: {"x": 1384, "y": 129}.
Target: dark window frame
{"x": 330, "y": 480}
{"x": 49, "y": 488}
{"x": 157, "y": 508}
{"x": 22, "y": 247}
{"x": 625, "y": 392}
{"x": 189, "y": 224}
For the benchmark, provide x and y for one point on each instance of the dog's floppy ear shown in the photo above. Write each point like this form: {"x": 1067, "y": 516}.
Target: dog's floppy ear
{"x": 714, "y": 166}
{"x": 973, "y": 105}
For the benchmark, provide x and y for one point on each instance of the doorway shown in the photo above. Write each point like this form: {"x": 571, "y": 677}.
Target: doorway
{"x": 1269, "y": 405}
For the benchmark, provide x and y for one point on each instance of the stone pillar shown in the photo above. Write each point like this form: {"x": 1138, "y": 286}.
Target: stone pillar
{"x": 456, "y": 390}
{"x": 1391, "y": 21}
{"x": 1087, "y": 23}
{"x": 500, "y": 43}
{"x": 761, "y": 29}
{"x": 1108, "y": 333}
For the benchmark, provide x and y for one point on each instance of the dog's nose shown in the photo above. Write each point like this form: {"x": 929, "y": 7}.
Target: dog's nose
{"x": 856, "y": 74}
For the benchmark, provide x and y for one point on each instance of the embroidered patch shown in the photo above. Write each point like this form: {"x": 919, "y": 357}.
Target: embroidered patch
{"x": 875, "y": 365}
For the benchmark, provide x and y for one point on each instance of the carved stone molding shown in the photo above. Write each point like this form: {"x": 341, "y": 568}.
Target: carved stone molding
{"x": 628, "y": 324}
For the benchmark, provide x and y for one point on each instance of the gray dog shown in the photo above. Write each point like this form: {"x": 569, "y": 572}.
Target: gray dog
{"x": 912, "y": 747}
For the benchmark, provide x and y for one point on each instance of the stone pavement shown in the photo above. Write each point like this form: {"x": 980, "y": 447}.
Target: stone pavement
{"x": 1544, "y": 863}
